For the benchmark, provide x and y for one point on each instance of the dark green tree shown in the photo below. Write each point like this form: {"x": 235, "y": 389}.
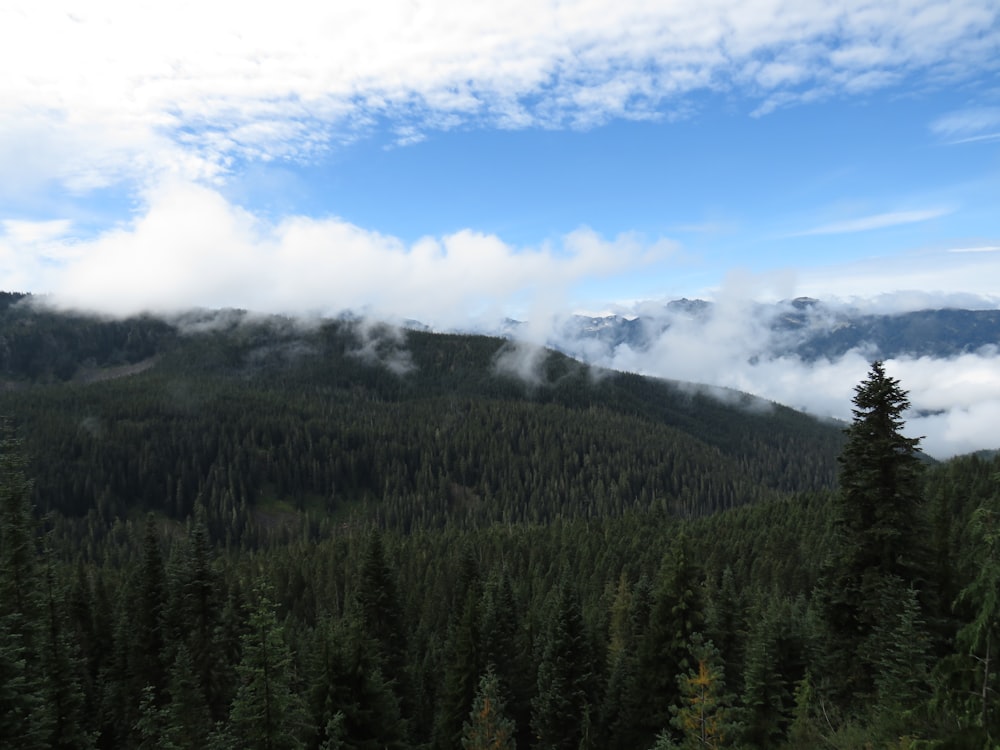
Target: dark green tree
{"x": 194, "y": 616}
{"x": 462, "y": 666}
{"x": 565, "y": 676}
{"x": 22, "y": 707}
{"x": 675, "y": 615}
{"x": 621, "y": 712}
{"x": 267, "y": 712}
{"x": 24, "y": 695}
{"x": 64, "y": 669}
{"x": 703, "y": 716}
{"x": 504, "y": 647}
{"x": 382, "y": 614}
{"x": 147, "y": 626}
{"x": 979, "y": 639}
{"x": 879, "y": 535}
{"x": 487, "y": 727}
{"x": 347, "y": 688}
{"x": 880, "y": 482}
{"x": 188, "y": 721}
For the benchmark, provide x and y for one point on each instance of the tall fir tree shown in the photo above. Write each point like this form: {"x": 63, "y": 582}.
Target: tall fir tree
{"x": 703, "y": 716}
{"x": 382, "y": 615}
{"x": 504, "y": 646}
{"x": 676, "y": 613}
{"x": 147, "y": 658}
{"x": 565, "y": 676}
{"x": 487, "y": 727}
{"x": 267, "y": 712}
{"x": 462, "y": 668}
{"x": 880, "y": 482}
{"x": 346, "y": 681}
{"x": 878, "y": 523}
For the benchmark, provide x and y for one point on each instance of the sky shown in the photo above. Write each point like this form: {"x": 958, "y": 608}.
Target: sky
{"x": 458, "y": 163}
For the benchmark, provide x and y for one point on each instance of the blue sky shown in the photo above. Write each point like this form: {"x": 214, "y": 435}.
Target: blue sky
{"x": 459, "y": 162}
{"x": 799, "y": 143}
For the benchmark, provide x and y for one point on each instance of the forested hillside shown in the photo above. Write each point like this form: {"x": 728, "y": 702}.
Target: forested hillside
{"x": 251, "y": 417}
{"x": 240, "y": 533}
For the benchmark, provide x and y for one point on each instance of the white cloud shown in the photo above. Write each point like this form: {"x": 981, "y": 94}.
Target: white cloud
{"x": 981, "y": 249}
{"x": 875, "y": 221}
{"x": 110, "y": 90}
{"x": 908, "y": 281}
{"x": 20, "y": 231}
{"x": 191, "y": 247}
{"x": 967, "y": 124}
{"x": 955, "y": 402}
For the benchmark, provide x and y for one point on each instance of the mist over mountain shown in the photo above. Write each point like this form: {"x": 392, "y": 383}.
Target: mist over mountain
{"x": 357, "y": 416}
{"x": 804, "y": 353}
{"x": 804, "y": 327}
{"x": 808, "y": 354}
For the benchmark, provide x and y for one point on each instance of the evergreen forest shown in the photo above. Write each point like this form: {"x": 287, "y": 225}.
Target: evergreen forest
{"x": 222, "y": 530}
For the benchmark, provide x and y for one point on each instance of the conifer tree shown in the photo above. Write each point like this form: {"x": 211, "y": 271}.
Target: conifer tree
{"x": 147, "y": 658}
{"x": 979, "y": 639}
{"x": 880, "y": 490}
{"x": 267, "y": 713}
{"x": 22, "y": 705}
{"x": 675, "y": 615}
{"x": 346, "y": 681}
{"x": 194, "y": 615}
{"x": 703, "y": 715}
{"x": 763, "y": 690}
{"x": 503, "y": 645}
{"x": 487, "y": 727}
{"x": 382, "y": 614}
{"x": 460, "y": 674}
{"x": 565, "y": 676}
{"x": 878, "y": 524}
{"x": 188, "y": 721}
{"x": 621, "y": 712}
{"x": 63, "y": 669}
{"x": 19, "y": 580}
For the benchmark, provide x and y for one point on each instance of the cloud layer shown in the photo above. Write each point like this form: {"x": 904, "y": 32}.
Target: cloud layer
{"x": 955, "y": 402}
{"x": 191, "y": 247}
{"x": 109, "y": 90}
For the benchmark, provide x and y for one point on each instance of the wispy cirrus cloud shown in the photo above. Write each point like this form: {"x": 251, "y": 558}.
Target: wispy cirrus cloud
{"x": 978, "y": 249}
{"x": 967, "y": 125}
{"x": 96, "y": 93}
{"x": 873, "y": 221}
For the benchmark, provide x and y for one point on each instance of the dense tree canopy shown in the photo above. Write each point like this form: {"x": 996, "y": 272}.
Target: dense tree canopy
{"x": 266, "y": 539}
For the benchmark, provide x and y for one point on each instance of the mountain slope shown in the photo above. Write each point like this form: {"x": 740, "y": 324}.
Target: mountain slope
{"x": 255, "y": 417}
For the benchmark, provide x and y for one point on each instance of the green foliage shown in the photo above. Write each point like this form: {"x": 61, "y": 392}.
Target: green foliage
{"x": 462, "y": 665}
{"x": 267, "y": 712}
{"x": 487, "y": 727}
{"x": 675, "y": 615}
{"x": 979, "y": 639}
{"x": 880, "y": 489}
{"x": 346, "y": 682}
{"x": 419, "y": 529}
{"x": 703, "y": 715}
{"x": 880, "y": 534}
{"x": 565, "y": 675}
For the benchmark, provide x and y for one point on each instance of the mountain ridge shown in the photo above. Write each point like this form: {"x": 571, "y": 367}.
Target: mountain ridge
{"x": 243, "y": 414}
